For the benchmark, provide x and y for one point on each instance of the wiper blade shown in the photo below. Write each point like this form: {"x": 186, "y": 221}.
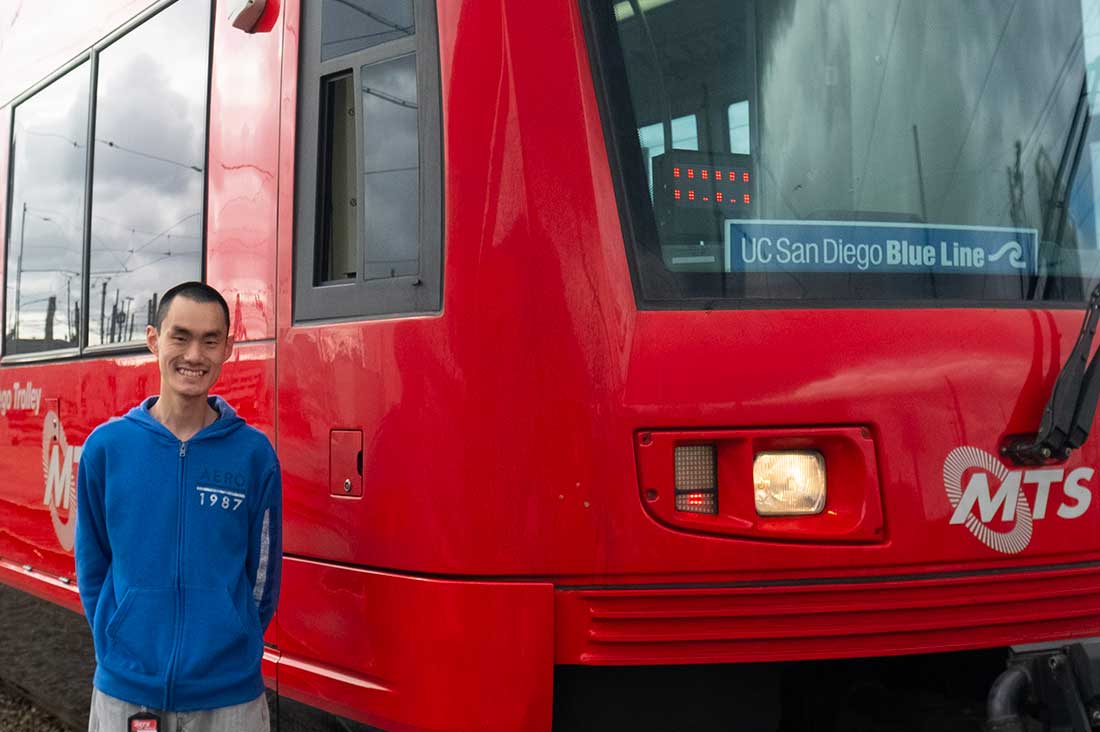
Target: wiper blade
{"x": 1068, "y": 415}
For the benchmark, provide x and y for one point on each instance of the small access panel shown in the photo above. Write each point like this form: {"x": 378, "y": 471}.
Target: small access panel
{"x": 345, "y": 471}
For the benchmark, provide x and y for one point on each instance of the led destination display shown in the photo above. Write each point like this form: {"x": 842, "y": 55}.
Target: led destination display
{"x": 831, "y": 246}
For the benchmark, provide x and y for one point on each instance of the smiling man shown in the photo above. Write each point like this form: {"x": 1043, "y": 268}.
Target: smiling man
{"x": 178, "y": 541}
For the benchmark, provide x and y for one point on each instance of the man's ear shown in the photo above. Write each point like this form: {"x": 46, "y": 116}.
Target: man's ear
{"x": 151, "y": 339}
{"x": 229, "y": 344}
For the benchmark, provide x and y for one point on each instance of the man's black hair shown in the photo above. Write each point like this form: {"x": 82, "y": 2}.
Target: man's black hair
{"x": 195, "y": 291}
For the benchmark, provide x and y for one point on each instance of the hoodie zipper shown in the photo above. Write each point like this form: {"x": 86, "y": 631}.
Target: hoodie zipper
{"x": 179, "y": 582}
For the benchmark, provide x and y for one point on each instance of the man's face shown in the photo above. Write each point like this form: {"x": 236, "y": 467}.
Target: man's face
{"x": 191, "y": 346}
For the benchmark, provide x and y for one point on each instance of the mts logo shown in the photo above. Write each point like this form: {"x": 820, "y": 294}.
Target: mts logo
{"x": 992, "y": 501}
{"x": 1070, "y": 492}
{"x": 59, "y": 461}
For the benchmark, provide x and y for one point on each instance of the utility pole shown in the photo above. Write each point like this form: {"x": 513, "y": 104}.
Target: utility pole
{"x": 102, "y": 311}
{"x": 19, "y": 272}
{"x": 51, "y": 313}
{"x": 114, "y": 318}
{"x": 69, "y": 307}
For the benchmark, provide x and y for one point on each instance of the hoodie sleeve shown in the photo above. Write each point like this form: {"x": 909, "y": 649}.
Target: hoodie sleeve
{"x": 265, "y": 546}
{"x": 92, "y": 550}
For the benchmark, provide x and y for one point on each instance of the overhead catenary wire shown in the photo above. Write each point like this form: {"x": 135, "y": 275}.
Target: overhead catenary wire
{"x": 117, "y": 146}
{"x": 380, "y": 19}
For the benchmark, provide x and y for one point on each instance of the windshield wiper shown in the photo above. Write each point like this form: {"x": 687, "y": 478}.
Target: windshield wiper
{"x": 1068, "y": 415}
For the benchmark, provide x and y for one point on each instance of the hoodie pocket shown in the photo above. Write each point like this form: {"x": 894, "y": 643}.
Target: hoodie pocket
{"x": 215, "y": 643}
{"x": 139, "y": 633}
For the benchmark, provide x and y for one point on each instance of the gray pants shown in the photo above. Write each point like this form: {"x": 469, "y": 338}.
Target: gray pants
{"x": 109, "y": 715}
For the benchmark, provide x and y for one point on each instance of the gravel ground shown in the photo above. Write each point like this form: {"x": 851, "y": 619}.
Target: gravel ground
{"x": 17, "y": 714}
{"x": 45, "y": 654}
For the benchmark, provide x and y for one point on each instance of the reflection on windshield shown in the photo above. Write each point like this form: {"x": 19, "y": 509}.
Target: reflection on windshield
{"x": 932, "y": 112}
{"x": 348, "y": 26}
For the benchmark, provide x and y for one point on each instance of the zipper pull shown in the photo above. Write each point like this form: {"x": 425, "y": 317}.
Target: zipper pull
{"x": 183, "y": 449}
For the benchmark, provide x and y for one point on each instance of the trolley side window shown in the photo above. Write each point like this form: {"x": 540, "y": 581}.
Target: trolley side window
{"x": 46, "y": 235}
{"x": 796, "y": 153}
{"x": 369, "y": 189}
{"x": 149, "y": 173}
{"x": 107, "y": 211}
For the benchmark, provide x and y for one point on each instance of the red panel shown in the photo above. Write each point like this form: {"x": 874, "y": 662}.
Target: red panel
{"x": 826, "y": 620}
{"x": 503, "y": 428}
{"x": 244, "y": 160}
{"x": 40, "y": 584}
{"x": 405, "y": 653}
{"x": 288, "y": 116}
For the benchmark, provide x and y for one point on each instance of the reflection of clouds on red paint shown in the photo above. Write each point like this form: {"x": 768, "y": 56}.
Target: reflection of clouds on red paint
{"x": 999, "y": 505}
{"x": 243, "y": 191}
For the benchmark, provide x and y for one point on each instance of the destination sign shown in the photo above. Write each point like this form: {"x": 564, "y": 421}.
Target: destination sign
{"x": 838, "y": 246}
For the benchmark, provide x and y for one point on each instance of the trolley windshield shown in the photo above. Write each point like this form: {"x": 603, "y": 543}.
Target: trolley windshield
{"x": 793, "y": 152}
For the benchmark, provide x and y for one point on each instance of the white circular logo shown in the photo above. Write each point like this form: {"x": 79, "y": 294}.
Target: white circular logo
{"x": 57, "y": 471}
{"x": 962, "y": 459}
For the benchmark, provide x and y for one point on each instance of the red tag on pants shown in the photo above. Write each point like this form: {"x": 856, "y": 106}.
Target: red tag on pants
{"x": 143, "y": 722}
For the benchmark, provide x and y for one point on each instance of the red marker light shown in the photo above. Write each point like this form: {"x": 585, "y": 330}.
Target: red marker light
{"x": 706, "y": 174}
{"x": 718, "y": 196}
{"x": 676, "y": 194}
{"x": 675, "y": 172}
{"x": 746, "y": 198}
{"x": 691, "y": 195}
{"x": 733, "y": 175}
{"x": 718, "y": 175}
{"x": 745, "y": 177}
{"x": 691, "y": 172}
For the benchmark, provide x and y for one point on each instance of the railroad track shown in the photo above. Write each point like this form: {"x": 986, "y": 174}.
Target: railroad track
{"x": 19, "y": 714}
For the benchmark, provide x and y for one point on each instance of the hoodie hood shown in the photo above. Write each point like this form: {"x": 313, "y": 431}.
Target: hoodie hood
{"x": 227, "y": 420}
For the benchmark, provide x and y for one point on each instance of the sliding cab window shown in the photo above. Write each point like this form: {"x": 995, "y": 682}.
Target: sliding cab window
{"x": 106, "y": 206}
{"x": 369, "y": 236}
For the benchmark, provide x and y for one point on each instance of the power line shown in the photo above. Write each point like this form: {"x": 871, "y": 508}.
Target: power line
{"x": 116, "y": 146}
{"x": 407, "y": 30}
{"x": 363, "y": 37}
{"x": 58, "y": 135}
{"x": 119, "y": 224}
{"x": 165, "y": 231}
{"x": 135, "y": 230}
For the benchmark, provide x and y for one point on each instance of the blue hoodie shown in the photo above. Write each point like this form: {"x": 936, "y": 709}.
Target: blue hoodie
{"x": 178, "y": 551}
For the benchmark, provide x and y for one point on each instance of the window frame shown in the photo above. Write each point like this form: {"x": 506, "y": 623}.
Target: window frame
{"x": 91, "y": 55}
{"x": 361, "y": 298}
